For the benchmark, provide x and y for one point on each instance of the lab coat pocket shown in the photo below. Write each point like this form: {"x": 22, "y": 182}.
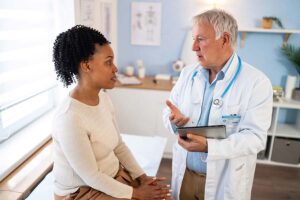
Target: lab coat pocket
{"x": 239, "y": 168}
{"x": 239, "y": 174}
{"x": 231, "y": 118}
{"x": 232, "y": 109}
{"x": 237, "y": 179}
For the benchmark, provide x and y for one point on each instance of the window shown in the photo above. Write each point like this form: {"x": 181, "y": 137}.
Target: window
{"x": 27, "y": 77}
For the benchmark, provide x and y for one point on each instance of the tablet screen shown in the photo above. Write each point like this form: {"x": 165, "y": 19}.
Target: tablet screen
{"x": 216, "y": 131}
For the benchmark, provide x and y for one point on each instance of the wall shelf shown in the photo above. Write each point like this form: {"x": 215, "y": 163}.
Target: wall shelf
{"x": 287, "y": 130}
{"x": 286, "y": 32}
{"x": 285, "y": 103}
{"x": 270, "y": 132}
{"x": 267, "y": 162}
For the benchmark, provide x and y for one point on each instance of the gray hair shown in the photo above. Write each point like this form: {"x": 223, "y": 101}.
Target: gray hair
{"x": 221, "y": 22}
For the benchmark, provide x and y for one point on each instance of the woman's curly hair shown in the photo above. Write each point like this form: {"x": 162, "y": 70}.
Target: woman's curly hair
{"x": 72, "y": 47}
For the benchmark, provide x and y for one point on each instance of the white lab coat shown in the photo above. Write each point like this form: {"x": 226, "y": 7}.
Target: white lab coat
{"x": 230, "y": 162}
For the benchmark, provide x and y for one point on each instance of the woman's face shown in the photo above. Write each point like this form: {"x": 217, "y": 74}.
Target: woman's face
{"x": 102, "y": 70}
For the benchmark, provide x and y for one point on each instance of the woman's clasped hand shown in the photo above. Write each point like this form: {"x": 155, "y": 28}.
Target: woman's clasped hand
{"x": 151, "y": 188}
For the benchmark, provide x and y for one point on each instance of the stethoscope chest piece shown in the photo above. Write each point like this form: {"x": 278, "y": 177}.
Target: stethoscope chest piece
{"x": 218, "y": 103}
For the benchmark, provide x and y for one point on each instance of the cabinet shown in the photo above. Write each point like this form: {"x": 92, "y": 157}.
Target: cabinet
{"x": 283, "y": 144}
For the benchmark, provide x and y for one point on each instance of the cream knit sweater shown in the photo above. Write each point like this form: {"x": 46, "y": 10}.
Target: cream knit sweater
{"x": 88, "y": 149}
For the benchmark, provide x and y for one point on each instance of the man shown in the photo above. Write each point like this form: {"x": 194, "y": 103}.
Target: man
{"x": 220, "y": 90}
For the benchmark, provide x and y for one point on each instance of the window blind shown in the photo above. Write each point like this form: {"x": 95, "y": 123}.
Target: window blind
{"x": 27, "y": 74}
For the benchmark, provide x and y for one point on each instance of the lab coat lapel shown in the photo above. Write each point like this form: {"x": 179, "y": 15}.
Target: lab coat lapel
{"x": 222, "y": 84}
{"x": 197, "y": 89}
{"x": 216, "y": 113}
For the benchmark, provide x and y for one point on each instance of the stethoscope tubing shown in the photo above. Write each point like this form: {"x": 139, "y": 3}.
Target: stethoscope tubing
{"x": 234, "y": 77}
{"x": 218, "y": 102}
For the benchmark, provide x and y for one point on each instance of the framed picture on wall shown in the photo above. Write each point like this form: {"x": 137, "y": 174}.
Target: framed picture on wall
{"x": 101, "y": 15}
{"x": 106, "y": 17}
{"x": 87, "y": 13}
{"x": 145, "y": 23}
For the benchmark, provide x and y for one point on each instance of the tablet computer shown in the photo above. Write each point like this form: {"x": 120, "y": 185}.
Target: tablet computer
{"x": 216, "y": 131}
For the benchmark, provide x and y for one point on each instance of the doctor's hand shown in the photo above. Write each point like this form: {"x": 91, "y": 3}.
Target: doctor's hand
{"x": 176, "y": 117}
{"x": 194, "y": 143}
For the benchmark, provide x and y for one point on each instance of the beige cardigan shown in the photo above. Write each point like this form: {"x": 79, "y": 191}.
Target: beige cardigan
{"x": 88, "y": 149}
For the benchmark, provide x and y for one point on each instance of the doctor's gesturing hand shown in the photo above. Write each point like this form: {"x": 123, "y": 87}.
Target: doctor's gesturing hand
{"x": 176, "y": 117}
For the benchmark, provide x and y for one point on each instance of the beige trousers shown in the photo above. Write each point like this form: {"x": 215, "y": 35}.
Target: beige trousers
{"x": 88, "y": 193}
{"x": 193, "y": 186}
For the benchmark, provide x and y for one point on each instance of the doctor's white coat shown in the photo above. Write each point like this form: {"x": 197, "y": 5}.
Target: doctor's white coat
{"x": 230, "y": 162}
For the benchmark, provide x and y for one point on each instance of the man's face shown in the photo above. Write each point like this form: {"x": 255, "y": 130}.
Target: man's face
{"x": 207, "y": 48}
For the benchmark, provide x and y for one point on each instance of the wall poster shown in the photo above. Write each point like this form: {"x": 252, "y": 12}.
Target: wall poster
{"x": 101, "y": 15}
{"x": 145, "y": 23}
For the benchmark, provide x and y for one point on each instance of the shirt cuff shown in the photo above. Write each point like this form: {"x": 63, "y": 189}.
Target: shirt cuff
{"x": 174, "y": 127}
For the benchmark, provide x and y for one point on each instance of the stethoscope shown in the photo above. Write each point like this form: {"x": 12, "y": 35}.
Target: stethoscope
{"x": 218, "y": 102}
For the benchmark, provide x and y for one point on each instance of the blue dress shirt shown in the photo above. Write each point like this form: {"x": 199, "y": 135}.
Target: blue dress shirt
{"x": 195, "y": 159}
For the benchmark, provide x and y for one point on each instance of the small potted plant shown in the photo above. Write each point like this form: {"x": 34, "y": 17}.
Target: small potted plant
{"x": 293, "y": 55}
{"x": 268, "y": 21}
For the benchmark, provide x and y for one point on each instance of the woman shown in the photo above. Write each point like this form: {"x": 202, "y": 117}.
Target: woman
{"x": 90, "y": 159}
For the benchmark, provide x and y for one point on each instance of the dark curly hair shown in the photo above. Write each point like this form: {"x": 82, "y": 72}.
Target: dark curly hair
{"x": 72, "y": 47}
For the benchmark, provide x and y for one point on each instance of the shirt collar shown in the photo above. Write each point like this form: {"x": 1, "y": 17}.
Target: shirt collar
{"x": 221, "y": 74}
{"x": 225, "y": 68}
